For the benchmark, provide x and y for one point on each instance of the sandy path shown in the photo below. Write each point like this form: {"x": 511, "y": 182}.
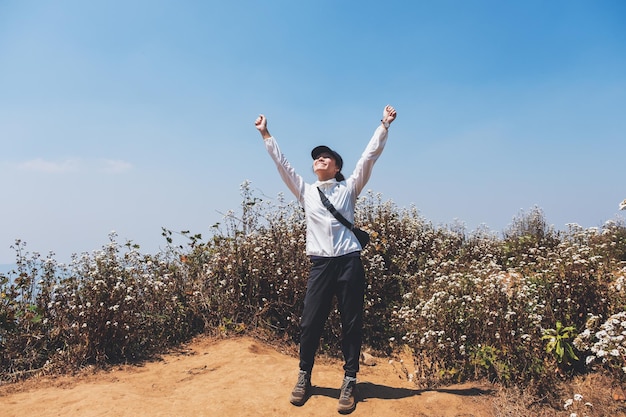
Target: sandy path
{"x": 232, "y": 377}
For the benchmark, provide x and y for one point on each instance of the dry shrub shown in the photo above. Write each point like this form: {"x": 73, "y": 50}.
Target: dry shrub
{"x": 470, "y": 305}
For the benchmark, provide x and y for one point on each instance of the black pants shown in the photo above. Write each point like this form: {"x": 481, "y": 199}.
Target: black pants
{"x": 343, "y": 277}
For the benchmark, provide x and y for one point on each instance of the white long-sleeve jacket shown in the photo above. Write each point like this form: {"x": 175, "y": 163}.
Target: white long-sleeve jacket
{"x": 325, "y": 235}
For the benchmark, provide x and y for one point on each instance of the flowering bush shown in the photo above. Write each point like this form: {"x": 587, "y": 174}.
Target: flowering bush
{"x": 605, "y": 344}
{"x": 468, "y": 305}
{"x": 576, "y": 408}
{"x": 101, "y": 308}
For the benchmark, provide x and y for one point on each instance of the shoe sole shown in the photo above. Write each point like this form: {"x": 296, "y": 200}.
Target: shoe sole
{"x": 347, "y": 410}
{"x": 297, "y": 402}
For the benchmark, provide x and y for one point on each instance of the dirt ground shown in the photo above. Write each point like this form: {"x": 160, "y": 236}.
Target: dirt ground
{"x": 234, "y": 377}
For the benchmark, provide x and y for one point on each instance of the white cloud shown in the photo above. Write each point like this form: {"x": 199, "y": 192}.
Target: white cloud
{"x": 41, "y": 165}
{"x": 116, "y": 166}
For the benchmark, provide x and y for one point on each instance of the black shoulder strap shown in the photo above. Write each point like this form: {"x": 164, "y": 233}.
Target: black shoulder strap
{"x": 334, "y": 211}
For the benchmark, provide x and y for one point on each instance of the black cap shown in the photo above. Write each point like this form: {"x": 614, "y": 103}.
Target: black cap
{"x": 321, "y": 149}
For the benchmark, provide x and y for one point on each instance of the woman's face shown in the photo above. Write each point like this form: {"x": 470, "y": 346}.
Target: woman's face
{"x": 325, "y": 167}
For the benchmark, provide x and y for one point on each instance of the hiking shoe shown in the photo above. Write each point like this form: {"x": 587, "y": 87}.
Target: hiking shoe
{"x": 347, "y": 398}
{"x": 302, "y": 390}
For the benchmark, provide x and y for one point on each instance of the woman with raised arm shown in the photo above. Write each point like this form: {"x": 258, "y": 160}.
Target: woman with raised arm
{"x": 336, "y": 267}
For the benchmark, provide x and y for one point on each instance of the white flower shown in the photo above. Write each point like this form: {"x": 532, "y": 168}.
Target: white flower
{"x": 578, "y": 397}
{"x": 568, "y": 403}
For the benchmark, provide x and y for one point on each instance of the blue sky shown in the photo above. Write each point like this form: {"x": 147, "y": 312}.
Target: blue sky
{"x": 136, "y": 115}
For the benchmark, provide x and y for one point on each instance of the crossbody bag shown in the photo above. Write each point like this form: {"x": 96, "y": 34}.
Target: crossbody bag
{"x": 362, "y": 236}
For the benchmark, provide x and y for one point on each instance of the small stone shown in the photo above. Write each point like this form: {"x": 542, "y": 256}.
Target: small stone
{"x": 367, "y": 359}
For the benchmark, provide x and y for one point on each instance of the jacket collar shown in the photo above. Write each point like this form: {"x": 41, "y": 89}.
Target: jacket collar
{"x": 326, "y": 184}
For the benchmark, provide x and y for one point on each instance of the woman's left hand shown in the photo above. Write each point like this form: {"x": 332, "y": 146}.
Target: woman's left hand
{"x": 389, "y": 114}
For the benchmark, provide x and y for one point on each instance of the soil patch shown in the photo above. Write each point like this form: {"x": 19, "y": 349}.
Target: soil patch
{"x": 238, "y": 376}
